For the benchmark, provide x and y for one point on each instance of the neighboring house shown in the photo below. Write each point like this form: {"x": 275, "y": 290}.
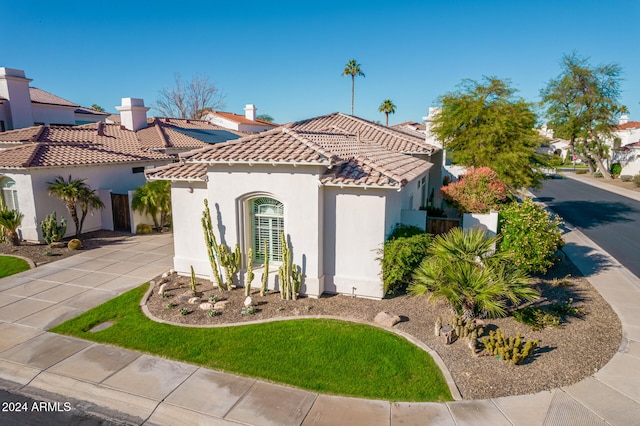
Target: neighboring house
{"x": 626, "y": 144}
{"x": 411, "y": 125}
{"x": 335, "y": 185}
{"x": 23, "y": 106}
{"x": 112, "y": 158}
{"x": 248, "y": 123}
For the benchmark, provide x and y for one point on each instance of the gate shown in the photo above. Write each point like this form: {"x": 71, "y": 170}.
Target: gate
{"x": 441, "y": 225}
{"x": 120, "y": 207}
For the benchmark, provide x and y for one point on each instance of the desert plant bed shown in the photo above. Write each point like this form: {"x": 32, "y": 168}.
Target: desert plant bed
{"x": 566, "y": 354}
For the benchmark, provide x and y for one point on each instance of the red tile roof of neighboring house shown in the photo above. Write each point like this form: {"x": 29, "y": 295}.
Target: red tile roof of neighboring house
{"x": 360, "y": 158}
{"x": 241, "y": 119}
{"x": 95, "y": 143}
{"x": 418, "y": 126}
{"x": 629, "y": 125}
{"x": 42, "y": 97}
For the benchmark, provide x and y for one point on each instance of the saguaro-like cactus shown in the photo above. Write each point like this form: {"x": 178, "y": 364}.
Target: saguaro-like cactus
{"x": 212, "y": 245}
{"x": 265, "y": 270}
{"x": 250, "y": 274}
{"x": 230, "y": 262}
{"x": 289, "y": 275}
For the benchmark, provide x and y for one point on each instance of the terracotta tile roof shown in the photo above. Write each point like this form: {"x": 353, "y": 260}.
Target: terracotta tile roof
{"x": 42, "y": 97}
{"x": 21, "y": 135}
{"x": 182, "y": 133}
{"x": 178, "y": 171}
{"x": 392, "y": 139}
{"x": 350, "y": 159}
{"x": 414, "y": 124}
{"x": 241, "y": 119}
{"x": 629, "y": 125}
{"x": 89, "y": 111}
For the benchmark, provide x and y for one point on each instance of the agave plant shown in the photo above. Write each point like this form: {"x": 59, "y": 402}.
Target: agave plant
{"x": 464, "y": 270}
{"x": 10, "y": 221}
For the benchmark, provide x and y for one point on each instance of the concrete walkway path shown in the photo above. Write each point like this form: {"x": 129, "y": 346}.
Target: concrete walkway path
{"x": 138, "y": 388}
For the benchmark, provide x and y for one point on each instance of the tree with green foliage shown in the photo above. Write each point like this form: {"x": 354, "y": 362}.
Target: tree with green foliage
{"x": 353, "y": 69}
{"x": 532, "y": 234}
{"x": 76, "y": 196}
{"x": 464, "y": 270}
{"x": 96, "y": 107}
{"x": 10, "y": 221}
{"x": 583, "y": 106}
{"x": 154, "y": 199}
{"x": 387, "y": 107}
{"x": 484, "y": 124}
{"x": 265, "y": 117}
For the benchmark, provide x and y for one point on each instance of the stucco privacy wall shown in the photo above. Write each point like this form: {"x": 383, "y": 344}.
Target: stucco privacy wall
{"x": 231, "y": 187}
{"x": 187, "y": 203}
{"x": 354, "y": 230}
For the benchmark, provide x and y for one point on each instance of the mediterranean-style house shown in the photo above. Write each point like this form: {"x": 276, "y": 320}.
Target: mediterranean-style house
{"x": 247, "y": 123}
{"x": 24, "y": 106}
{"x": 335, "y": 185}
{"x": 112, "y": 158}
{"x": 626, "y": 146}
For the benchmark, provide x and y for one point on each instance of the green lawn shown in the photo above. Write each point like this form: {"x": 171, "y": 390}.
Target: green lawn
{"x": 327, "y": 356}
{"x": 10, "y": 265}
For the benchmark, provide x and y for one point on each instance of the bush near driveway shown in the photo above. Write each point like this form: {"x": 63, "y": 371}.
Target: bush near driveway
{"x": 532, "y": 234}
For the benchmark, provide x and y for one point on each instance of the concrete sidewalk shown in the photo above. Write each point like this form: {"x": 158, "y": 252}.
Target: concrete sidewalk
{"x": 142, "y": 389}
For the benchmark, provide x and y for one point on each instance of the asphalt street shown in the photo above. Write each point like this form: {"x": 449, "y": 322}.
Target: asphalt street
{"x": 612, "y": 221}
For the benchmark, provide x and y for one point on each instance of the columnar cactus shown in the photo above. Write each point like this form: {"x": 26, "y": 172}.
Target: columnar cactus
{"x": 230, "y": 262}
{"x": 212, "y": 245}
{"x": 192, "y": 283}
{"x": 288, "y": 273}
{"x": 250, "y": 274}
{"x": 51, "y": 231}
{"x": 265, "y": 271}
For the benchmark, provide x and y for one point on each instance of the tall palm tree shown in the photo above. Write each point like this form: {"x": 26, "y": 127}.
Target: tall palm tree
{"x": 387, "y": 107}
{"x": 154, "y": 198}
{"x": 76, "y": 193}
{"x": 353, "y": 69}
{"x": 463, "y": 270}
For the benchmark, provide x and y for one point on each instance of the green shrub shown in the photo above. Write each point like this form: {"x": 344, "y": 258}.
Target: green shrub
{"x": 626, "y": 178}
{"x": 144, "y": 228}
{"x": 636, "y": 180}
{"x": 75, "y": 244}
{"x": 403, "y": 231}
{"x": 531, "y": 234}
{"x": 581, "y": 171}
{"x": 400, "y": 256}
{"x": 597, "y": 175}
{"x": 616, "y": 169}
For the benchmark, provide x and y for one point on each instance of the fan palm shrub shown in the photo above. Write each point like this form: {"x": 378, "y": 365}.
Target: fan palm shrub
{"x": 10, "y": 221}
{"x": 464, "y": 270}
{"x": 154, "y": 199}
{"x": 77, "y": 196}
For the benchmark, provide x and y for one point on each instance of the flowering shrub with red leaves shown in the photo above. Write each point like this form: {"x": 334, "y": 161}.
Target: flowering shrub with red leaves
{"x": 477, "y": 191}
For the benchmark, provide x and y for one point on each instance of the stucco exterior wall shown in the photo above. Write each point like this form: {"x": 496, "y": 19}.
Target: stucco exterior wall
{"x": 53, "y": 114}
{"x": 354, "y": 230}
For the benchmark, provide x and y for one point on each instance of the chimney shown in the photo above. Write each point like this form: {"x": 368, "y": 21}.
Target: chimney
{"x": 15, "y": 87}
{"x": 133, "y": 114}
{"x": 250, "y": 112}
{"x": 100, "y": 128}
{"x": 624, "y": 119}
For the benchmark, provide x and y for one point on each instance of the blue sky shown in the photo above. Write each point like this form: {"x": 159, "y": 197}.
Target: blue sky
{"x": 287, "y": 57}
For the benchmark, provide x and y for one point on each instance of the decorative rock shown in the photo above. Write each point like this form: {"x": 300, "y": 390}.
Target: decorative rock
{"x": 248, "y": 302}
{"x": 386, "y": 319}
{"x": 165, "y": 275}
{"x": 448, "y": 334}
{"x": 162, "y": 289}
{"x": 220, "y": 305}
{"x": 194, "y": 300}
{"x": 206, "y": 306}
{"x": 172, "y": 271}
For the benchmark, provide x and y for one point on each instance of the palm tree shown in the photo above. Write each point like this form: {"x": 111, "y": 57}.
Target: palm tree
{"x": 74, "y": 193}
{"x": 10, "y": 221}
{"x": 154, "y": 198}
{"x": 387, "y": 107}
{"x": 353, "y": 69}
{"x": 464, "y": 270}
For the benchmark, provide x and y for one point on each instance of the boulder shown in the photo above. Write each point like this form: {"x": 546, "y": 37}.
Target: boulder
{"x": 248, "y": 302}
{"x": 220, "y": 305}
{"x": 206, "y": 306}
{"x": 386, "y": 319}
{"x": 194, "y": 300}
{"x": 162, "y": 289}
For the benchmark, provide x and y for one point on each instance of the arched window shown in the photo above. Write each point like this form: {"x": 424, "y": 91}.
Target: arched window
{"x": 267, "y": 226}
{"x": 9, "y": 193}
